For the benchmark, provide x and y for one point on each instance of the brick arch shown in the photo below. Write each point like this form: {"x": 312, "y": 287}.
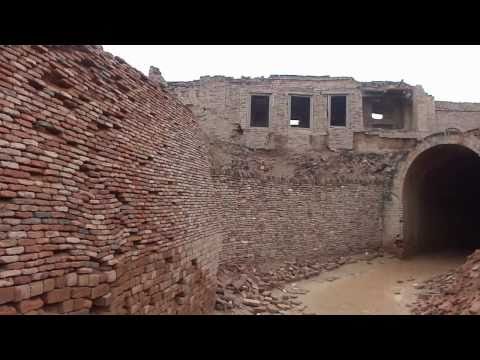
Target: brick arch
{"x": 393, "y": 215}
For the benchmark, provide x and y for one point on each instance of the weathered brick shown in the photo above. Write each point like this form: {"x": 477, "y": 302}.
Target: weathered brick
{"x": 6, "y": 282}
{"x": 81, "y": 292}
{"x": 5, "y": 117}
{"x": 93, "y": 279}
{"x": 26, "y": 194}
{"x": 8, "y": 243}
{"x": 100, "y": 290}
{"x": 66, "y": 306}
{"x": 81, "y": 312}
{"x": 36, "y": 288}
{"x": 7, "y": 194}
{"x": 104, "y": 300}
{"x": 17, "y": 234}
{"x": 71, "y": 279}
{"x": 22, "y": 292}
{"x": 29, "y": 305}
{"x": 111, "y": 276}
{"x": 57, "y": 295}
{"x": 83, "y": 280}
{"x": 7, "y": 294}
{"x": 7, "y": 259}
{"x": 7, "y": 310}
{"x": 23, "y": 279}
{"x": 48, "y": 285}
{"x": 137, "y": 289}
{"x": 8, "y": 164}
{"x": 60, "y": 282}
{"x": 15, "y": 250}
{"x": 82, "y": 304}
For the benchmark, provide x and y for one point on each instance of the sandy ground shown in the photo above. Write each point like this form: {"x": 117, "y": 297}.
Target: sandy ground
{"x": 383, "y": 286}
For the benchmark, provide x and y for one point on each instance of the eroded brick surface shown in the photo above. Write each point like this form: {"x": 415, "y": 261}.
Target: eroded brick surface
{"x": 291, "y": 192}
{"x": 273, "y": 221}
{"x": 112, "y": 200}
{"x": 105, "y": 189}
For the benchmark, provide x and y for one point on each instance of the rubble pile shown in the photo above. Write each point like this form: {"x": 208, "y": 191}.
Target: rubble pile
{"x": 248, "y": 289}
{"x": 233, "y": 159}
{"x": 248, "y": 294}
{"x": 453, "y": 293}
{"x": 344, "y": 164}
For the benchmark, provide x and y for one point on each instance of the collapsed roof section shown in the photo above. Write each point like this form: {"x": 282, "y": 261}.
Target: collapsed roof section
{"x": 387, "y": 105}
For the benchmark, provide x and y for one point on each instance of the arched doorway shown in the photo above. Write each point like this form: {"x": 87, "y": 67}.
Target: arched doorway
{"x": 432, "y": 201}
{"x": 441, "y": 195}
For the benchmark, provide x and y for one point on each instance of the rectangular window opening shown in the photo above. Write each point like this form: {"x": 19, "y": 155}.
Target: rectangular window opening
{"x": 390, "y": 110}
{"x": 338, "y": 110}
{"x": 300, "y": 111}
{"x": 259, "y": 110}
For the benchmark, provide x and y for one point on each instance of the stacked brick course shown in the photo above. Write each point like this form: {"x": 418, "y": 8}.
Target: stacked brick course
{"x": 284, "y": 207}
{"x": 275, "y": 221}
{"x": 111, "y": 201}
{"x": 222, "y": 105}
{"x": 105, "y": 190}
{"x": 345, "y": 211}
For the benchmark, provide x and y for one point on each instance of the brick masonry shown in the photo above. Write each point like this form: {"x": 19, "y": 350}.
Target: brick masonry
{"x": 222, "y": 104}
{"x": 267, "y": 219}
{"x": 105, "y": 189}
{"x": 110, "y": 202}
{"x": 274, "y": 221}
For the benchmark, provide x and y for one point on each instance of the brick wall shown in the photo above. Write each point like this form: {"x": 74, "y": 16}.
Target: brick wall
{"x": 107, "y": 203}
{"x": 463, "y": 116}
{"x": 270, "y": 220}
{"x": 105, "y": 190}
{"x": 222, "y": 104}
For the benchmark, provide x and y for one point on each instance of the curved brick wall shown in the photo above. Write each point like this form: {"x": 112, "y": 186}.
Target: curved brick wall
{"x": 105, "y": 190}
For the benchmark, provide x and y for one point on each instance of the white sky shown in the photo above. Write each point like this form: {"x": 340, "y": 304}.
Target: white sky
{"x": 447, "y": 72}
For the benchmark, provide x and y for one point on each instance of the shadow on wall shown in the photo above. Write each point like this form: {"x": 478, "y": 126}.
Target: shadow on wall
{"x": 441, "y": 199}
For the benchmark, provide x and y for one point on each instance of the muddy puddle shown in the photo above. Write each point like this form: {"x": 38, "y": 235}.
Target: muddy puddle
{"x": 382, "y": 286}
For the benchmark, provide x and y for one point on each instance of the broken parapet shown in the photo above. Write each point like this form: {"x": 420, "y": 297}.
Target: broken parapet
{"x": 155, "y": 75}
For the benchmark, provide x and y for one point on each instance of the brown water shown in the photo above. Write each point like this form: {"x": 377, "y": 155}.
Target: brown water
{"x": 383, "y": 286}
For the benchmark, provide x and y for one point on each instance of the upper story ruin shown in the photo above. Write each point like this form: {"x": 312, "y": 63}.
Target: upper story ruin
{"x": 320, "y": 112}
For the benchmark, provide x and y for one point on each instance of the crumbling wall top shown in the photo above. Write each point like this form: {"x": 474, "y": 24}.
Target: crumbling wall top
{"x": 457, "y": 106}
{"x": 386, "y": 86}
{"x": 155, "y": 75}
{"x": 249, "y": 80}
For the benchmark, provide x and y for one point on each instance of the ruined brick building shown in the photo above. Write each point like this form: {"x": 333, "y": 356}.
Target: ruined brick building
{"x": 338, "y": 166}
{"x": 122, "y": 194}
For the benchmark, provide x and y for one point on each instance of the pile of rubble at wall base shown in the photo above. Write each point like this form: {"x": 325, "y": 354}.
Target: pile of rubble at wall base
{"x": 453, "y": 293}
{"x": 245, "y": 289}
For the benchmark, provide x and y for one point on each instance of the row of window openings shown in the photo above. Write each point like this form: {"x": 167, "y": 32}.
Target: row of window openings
{"x": 299, "y": 111}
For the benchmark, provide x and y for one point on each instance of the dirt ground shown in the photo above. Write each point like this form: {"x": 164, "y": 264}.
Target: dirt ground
{"x": 382, "y": 286}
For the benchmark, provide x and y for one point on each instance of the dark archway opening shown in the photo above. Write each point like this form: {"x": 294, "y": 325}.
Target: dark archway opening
{"x": 441, "y": 199}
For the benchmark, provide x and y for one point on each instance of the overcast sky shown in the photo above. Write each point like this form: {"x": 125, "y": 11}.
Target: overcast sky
{"x": 447, "y": 72}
